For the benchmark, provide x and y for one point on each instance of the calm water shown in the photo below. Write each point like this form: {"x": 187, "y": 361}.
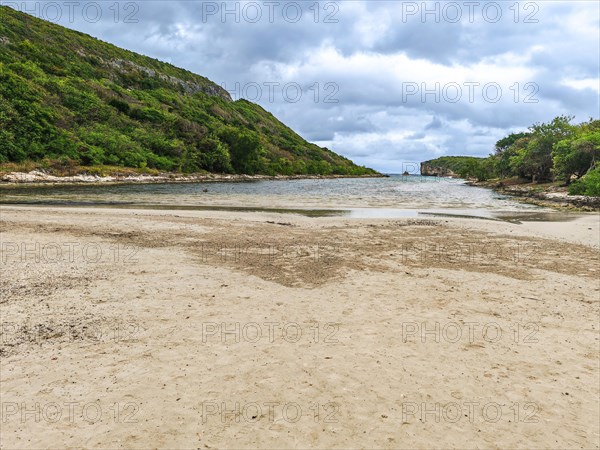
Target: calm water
{"x": 395, "y": 196}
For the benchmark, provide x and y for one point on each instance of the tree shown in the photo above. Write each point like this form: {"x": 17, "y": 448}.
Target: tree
{"x": 534, "y": 161}
{"x": 245, "y": 148}
{"x": 216, "y": 155}
{"x": 576, "y": 157}
{"x": 505, "y": 143}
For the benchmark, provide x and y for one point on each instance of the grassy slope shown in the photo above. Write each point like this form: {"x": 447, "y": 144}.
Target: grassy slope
{"x": 68, "y": 98}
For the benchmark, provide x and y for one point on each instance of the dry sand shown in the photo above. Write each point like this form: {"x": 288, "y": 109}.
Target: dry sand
{"x": 182, "y": 329}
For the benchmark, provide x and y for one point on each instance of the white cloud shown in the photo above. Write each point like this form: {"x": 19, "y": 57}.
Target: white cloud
{"x": 587, "y": 83}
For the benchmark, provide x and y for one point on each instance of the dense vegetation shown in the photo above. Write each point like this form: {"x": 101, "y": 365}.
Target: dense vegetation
{"x": 460, "y": 165}
{"x": 69, "y": 98}
{"x": 555, "y": 151}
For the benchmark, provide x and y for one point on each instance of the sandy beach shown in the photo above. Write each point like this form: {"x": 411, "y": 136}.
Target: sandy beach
{"x": 215, "y": 329}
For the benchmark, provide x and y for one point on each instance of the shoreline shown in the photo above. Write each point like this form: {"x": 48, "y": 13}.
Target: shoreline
{"x": 549, "y": 195}
{"x": 37, "y": 178}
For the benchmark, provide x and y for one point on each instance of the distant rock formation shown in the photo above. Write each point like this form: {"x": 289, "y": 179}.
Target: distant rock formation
{"x": 435, "y": 171}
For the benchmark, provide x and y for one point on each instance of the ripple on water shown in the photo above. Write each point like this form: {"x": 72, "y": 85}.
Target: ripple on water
{"x": 396, "y": 196}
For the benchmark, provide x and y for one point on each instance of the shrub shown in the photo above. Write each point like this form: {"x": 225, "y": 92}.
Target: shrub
{"x": 588, "y": 185}
{"x": 120, "y": 105}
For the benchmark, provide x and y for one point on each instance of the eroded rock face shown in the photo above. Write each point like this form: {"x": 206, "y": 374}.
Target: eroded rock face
{"x": 432, "y": 171}
{"x": 189, "y": 87}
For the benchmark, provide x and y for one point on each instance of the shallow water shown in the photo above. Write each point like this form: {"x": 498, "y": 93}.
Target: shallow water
{"x": 396, "y": 196}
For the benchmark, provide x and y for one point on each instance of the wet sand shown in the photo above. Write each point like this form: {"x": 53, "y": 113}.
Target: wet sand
{"x": 222, "y": 329}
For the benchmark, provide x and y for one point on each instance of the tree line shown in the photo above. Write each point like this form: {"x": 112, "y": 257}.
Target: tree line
{"x": 556, "y": 151}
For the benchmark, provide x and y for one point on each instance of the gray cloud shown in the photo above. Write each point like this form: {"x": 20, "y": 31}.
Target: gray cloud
{"x": 369, "y": 52}
{"x": 434, "y": 124}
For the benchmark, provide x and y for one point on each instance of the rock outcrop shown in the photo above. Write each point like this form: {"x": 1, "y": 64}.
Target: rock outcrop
{"x": 189, "y": 87}
{"x": 433, "y": 171}
{"x": 551, "y": 197}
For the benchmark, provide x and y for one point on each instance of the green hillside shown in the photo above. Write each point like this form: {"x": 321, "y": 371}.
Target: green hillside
{"x": 68, "y": 98}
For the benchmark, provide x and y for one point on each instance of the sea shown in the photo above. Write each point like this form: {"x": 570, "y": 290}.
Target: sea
{"x": 391, "y": 197}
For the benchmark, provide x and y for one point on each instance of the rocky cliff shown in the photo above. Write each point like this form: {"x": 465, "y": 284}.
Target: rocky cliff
{"x": 451, "y": 166}
{"x": 427, "y": 169}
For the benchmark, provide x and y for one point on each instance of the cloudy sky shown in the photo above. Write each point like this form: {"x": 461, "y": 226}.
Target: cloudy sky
{"x": 385, "y": 83}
